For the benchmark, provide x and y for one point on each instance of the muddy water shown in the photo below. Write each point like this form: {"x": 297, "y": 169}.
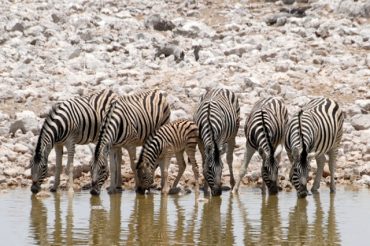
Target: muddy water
{"x": 130, "y": 219}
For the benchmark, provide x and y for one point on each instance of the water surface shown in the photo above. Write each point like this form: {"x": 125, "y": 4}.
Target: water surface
{"x": 130, "y": 219}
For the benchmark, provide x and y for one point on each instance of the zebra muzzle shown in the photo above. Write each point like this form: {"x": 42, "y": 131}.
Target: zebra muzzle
{"x": 35, "y": 188}
{"x": 95, "y": 191}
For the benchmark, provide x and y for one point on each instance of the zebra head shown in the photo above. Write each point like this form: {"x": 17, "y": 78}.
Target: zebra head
{"x": 145, "y": 174}
{"x": 99, "y": 173}
{"x": 300, "y": 169}
{"x": 269, "y": 170}
{"x": 39, "y": 169}
{"x": 213, "y": 169}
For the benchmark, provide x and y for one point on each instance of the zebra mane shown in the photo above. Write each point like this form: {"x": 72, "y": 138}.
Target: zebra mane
{"x": 216, "y": 153}
{"x": 304, "y": 150}
{"x": 38, "y": 152}
{"x": 265, "y": 131}
{"x": 103, "y": 127}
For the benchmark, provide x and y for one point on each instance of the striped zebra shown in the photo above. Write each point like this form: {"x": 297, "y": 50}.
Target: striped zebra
{"x": 129, "y": 121}
{"x": 264, "y": 132}
{"x": 314, "y": 131}
{"x": 218, "y": 121}
{"x": 172, "y": 138}
{"x": 71, "y": 122}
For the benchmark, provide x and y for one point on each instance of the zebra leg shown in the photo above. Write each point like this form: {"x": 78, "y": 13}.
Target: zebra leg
{"x": 320, "y": 161}
{"x": 70, "y": 152}
{"x": 118, "y": 159}
{"x": 164, "y": 175}
{"x": 201, "y": 150}
{"x": 191, "y": 158}
{"x": 58, "y": 167}
{"x": 132, "y": 154}
{"x": 182, "y": 166}
{"x": 115, "y": 159}
{"x": 230, "y": 158}
{"x": 332, "y": 163}
{"x": 249, "y": 151}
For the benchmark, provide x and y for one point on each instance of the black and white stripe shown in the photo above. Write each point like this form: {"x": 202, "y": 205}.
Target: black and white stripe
{"x": 218, "y": 120}
{"x": 264, "y": 132}
{"x": 172, "y": 138}
{"x": 130, "y": 120}
{"x": 314, "y": 131}
{"x": 71, "y": 122}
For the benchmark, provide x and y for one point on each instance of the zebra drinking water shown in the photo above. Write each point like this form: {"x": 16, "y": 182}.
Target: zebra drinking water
{"x": 172, "y": 138}
{"x": 264, "y": 132}
{"x": 71, "y": 122}
{"x": 314, "y": 131}
{"x": 129, "y": 121}
{"x": 218, "y": 121}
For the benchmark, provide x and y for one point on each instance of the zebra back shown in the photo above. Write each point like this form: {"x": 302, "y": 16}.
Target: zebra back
{"x": 316, "y": 128}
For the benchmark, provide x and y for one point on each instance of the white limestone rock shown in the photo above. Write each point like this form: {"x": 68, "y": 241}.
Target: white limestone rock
{"x": 361, "y": 121}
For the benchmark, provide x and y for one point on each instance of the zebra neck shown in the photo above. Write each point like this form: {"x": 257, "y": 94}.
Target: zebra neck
{"x": 44, "y": 145}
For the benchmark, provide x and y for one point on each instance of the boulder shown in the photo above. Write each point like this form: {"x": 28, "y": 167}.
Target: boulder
{"x": 25, "y": 121}
{"x": 195, "y": 29}
{"x": 364, "y": 104}
{"x": 158, "y": 23}
{"x": 361, "y": 121}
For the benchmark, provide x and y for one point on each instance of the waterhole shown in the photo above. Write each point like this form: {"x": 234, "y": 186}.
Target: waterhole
{"x": 130, "y": 219}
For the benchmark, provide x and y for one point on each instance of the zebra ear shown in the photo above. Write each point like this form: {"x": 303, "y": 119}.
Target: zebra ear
{"x": 262, "y": 153}
{"x": 296, "y": 152}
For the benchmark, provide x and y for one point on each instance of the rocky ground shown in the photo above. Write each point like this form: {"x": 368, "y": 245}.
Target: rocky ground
{"x": 51, "y": 51}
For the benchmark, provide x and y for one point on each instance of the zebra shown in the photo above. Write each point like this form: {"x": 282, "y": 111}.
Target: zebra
{"x": 217, "y": 117}
{"x": 314, "y": 131}
{"x": 129, "y": 121}
{"x": 176, "y": 138}
{"x": 70, "y": 122}
{"x": 264, "y": 132}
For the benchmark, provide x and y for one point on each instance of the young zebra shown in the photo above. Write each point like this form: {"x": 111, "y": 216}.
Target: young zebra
{"x": 129, "y": 121}
{"x": 71, "y": 122}
{"x": 314, "y": 131}
{"x": 172, "y": 138}
{"x": 218, "y": 120}
{"x": 264, "y": 132}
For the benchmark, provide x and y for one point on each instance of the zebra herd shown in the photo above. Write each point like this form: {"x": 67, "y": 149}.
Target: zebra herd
{"x": 114, "y": 122}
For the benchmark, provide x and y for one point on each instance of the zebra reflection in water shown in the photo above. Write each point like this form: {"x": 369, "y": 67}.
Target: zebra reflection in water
{"x": 105, "y": 227}
{"x": 62, "y": 233}
{"x": 271, "y": 231}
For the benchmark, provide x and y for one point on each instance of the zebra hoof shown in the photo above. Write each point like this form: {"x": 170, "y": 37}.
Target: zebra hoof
{"x": 225, "y": 188}
{"x": 86, "y": 186}
{"x": 174, "y": 191}
{"x": 115, "y": 190}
